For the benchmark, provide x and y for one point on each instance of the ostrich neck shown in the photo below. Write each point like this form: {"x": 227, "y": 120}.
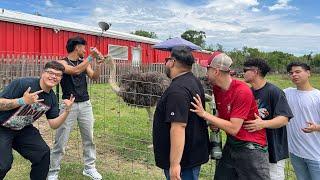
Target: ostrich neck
{"x": 112, "y": 79}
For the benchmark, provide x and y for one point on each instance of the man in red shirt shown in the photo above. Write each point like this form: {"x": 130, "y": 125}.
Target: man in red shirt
{"x": 245, "y": 154}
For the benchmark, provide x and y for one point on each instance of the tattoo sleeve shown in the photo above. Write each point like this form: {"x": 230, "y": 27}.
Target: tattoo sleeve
{"x": 8, "y": 104}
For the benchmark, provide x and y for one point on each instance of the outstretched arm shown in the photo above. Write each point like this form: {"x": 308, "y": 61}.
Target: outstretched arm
{"x": 231, "y": 127}
{"x": 28, "y": 98}
{"x": 75, "y": 70}
{"x": 56, "y": 122}
{"x": 258, "y": 123}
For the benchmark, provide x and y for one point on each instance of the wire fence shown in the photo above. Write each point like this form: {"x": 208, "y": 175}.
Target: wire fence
{"x": 122, "y": 130}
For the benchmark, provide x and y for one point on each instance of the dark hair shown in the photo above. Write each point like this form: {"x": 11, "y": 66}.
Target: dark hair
{"x": 183, "y": 55}
{"x": 73, "y": 42}
{"x": 297, "y": 63}
{"x": 261, "y": 64}
{"x": 54, "y": 65}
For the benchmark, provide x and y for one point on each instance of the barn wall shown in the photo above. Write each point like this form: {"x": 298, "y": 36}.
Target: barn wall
{"x": 20, "y": 39}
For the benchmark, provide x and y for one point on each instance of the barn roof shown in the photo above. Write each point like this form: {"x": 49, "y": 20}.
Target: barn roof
{"x": 29, "y": 19}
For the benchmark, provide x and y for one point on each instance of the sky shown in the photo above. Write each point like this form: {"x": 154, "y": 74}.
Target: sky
{"x": 292, "y": 26}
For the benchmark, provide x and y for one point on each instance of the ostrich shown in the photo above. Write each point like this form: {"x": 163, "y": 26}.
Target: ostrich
{"x": 144, "y": 89}
{"x": 138, "y": 89}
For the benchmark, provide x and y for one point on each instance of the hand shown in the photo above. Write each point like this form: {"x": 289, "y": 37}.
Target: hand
{"x": 213, "y": 127}
{"x": 30, "y": 98}
{"x": 312, "y": 127}
{"x": 198, "y": 106}
{"x": 254, "y": 125}
{"x": 68, "y": 103}
{"x": 96, "y": 54}
{"x": 174, "y": 172}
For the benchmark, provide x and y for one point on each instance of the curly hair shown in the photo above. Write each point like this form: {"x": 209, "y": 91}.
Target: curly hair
{"x": 73, "y": 42}
{"x": 261, "y": 64}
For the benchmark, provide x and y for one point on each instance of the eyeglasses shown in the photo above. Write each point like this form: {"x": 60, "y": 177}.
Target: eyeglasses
{"x": 249, "y": 69}
{"x": 168, "y": 59}
{"x": 52, "y": 74}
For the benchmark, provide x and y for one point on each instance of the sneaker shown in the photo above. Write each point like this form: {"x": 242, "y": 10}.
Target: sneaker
{"x": 52, "y": 177}
{"x": 92, "y": 173}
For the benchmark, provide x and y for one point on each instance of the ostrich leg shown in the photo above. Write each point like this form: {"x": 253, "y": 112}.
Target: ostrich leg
{"x": 150, "y": 115}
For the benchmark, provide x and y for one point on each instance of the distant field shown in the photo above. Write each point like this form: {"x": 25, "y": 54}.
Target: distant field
{"x": 122, "y": 135}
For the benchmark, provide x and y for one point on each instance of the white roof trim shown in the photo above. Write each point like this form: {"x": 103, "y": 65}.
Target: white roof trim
{"x": 29, "y": 19}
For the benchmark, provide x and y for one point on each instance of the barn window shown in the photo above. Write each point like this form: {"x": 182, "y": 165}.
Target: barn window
{"x": 118, "y": 52}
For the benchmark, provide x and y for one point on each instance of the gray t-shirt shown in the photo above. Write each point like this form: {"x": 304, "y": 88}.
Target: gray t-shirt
{"x": 305, "y": 106}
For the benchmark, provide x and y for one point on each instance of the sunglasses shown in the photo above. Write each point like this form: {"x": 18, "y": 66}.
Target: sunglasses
{"x": 249, "y": 69}
{"x": 168, "y": 59}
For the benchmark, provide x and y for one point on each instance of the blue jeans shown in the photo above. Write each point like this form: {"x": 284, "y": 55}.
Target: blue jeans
{"x": 305, "y": 169}
{"x": 186, "y": 174}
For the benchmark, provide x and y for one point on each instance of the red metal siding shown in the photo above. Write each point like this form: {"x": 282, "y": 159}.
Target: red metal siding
{"x": 32, "y": 40}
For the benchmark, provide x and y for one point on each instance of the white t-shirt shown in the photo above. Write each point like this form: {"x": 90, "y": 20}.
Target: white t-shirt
{"x": 305, "y": 106}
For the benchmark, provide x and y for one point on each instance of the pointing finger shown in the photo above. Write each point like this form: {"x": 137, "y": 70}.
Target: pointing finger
{"x": 37, "y": 92}
{"x": 28, "y": 90}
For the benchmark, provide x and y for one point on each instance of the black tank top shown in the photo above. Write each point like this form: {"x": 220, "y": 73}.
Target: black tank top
{"x": 75, "y": 84}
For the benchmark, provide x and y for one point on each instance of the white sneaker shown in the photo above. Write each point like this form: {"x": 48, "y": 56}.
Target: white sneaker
{"x": 92, "y": 173}
{"x": 52, "y": 177}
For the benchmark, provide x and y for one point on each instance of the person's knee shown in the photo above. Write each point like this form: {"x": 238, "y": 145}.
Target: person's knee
{"x": 43, "y": 157}
{"x": 46, "y": 156}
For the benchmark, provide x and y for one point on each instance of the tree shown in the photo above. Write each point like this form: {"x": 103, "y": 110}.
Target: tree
{"x": 145, "y": 34}
{"x": 196, "y": 37}
{"x": 219, "y": 47}
{"x": 210, "y": 47}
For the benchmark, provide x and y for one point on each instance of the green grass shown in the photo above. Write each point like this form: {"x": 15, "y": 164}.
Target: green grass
{"x": 283, "y": 81}
{"x": 122, "y": 135}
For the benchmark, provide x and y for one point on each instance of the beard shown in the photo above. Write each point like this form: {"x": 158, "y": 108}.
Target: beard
{"x": 167, "y": 72}
{"x": 81, "y": 55}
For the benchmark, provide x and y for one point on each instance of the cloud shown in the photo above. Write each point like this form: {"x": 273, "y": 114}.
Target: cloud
{"x": 255, "y": 9}
{"x": 49, "y": 3}
{"x": 254, "y": 30}
{"x": 232, "y": 23}
{"x": 282, "y": 5}
{"x": 317, "y": 17}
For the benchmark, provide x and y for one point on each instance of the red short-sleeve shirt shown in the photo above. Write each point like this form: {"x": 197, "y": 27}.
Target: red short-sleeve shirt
{"x": 238, "y": 102}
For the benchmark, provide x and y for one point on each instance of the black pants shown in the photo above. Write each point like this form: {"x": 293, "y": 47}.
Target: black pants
{"x": 241, "y": 163}
{"x": 29, "y": 143}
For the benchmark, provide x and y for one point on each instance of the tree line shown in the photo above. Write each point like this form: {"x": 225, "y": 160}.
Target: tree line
{"x": 276, "y": 59}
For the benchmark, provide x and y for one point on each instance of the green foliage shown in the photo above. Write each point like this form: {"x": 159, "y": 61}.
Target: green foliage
{"x": 145, "y": 34}
{"x": 217, "y": 47}
{"x": 276, "y": 59}
{"x": 196, "y": 37}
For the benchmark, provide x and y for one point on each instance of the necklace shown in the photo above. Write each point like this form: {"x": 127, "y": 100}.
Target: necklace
{"x": 74, "y": 65}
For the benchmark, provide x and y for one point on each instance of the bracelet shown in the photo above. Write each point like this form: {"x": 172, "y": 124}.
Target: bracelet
{"x": 67, "y": 109}
{"x": 21, "y": 101}
{"x": 90, "y": 58}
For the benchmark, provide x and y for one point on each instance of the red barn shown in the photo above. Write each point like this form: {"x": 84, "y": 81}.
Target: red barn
{"x": 27, "y": 34}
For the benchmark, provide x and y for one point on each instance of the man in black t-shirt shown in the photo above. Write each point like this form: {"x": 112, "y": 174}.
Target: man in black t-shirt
{"x": 180, "y": 137}
{"x": 275, "y": 112}
{"x": 22, "y": 102}
{"x": 74, "y": 82}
